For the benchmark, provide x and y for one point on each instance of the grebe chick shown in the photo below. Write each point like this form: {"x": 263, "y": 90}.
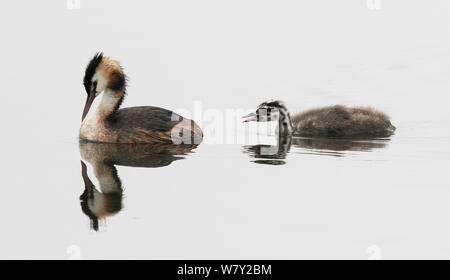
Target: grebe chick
{"x": 331, "y": 121}
{"x": 129, "y": 125}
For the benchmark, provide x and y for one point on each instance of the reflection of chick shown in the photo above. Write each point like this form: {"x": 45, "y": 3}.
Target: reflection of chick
{"x": 98, "y": 205}
{"x": 361, "y": 145}
{"x": 270, "y": 154}
{"x": 276, "y": 154}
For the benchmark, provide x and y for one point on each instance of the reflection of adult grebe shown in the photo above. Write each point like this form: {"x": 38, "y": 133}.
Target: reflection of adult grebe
{"x": 276, "y": 154}
{"x": 129, "y": 125}
{"x": 333, "y": 121}
{"x": 99, "y": 204}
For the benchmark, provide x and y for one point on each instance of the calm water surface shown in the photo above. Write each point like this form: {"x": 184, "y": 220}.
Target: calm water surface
{"x": 304, "y": 198}
{"x": 318, "y": 198}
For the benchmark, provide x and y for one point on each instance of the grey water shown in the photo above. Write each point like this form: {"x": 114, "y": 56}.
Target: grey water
{"x": 304, "y": 198}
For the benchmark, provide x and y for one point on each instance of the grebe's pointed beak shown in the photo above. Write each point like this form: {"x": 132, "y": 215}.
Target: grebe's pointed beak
{"x": 89, "y": 101}
{"x": 84, "y": 172}
{"x": 87, "y": 182}
{"x": 252, "y": 117}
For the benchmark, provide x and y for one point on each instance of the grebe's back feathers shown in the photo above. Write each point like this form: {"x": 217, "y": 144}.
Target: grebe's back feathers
{"x": 141, "y": 123}
{"x": 342, "y": 121}
{"x": 150, "y": 117}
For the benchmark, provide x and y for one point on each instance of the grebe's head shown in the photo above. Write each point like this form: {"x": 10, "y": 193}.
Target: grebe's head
{"x": 102, "y": 73}
{"x": 268, "y": 111}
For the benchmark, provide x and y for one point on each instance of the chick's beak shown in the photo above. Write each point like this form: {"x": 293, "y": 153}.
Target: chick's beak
{"x": 252, "y": 117}
{"x": 89, "y": 101}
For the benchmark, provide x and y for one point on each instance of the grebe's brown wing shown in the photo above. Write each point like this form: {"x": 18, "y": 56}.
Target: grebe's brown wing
{"x": 153, "y": 124}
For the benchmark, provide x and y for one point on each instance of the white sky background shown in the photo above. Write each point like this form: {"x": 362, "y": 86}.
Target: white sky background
{"x": 229, "y": 54}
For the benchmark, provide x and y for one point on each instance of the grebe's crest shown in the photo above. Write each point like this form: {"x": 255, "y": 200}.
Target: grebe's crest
{"x": 90, "y": 71}
{"x": 270, "y": 110}
{"x": 273, "y": 104}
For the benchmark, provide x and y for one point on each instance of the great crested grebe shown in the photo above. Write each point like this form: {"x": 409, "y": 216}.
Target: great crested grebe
{"x": 332, "y": 121}
{"x": 129, "y": 125}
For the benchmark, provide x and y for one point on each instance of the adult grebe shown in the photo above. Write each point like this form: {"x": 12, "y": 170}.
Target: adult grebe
{"x": 331, "y": 121}
{"x": 130, "y": 125}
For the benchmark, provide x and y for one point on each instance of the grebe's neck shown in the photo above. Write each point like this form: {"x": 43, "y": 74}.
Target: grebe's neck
{"x": 109, "y": 104}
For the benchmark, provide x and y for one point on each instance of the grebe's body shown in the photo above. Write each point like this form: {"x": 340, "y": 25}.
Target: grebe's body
{"x": 141, "y": 125}
{"x": 129, "y": 125}
{"x": 331, "y": 121}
